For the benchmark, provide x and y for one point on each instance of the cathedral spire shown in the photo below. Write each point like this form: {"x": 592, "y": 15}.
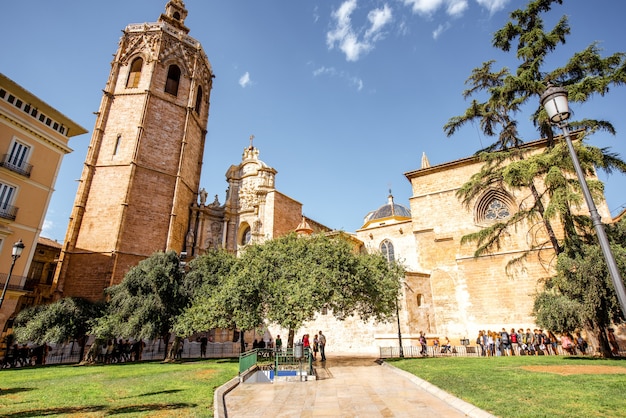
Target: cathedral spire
{"x": 425, "y": 162}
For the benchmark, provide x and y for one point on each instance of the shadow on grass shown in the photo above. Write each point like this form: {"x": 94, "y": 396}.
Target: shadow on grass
{"x": 80, "y": 411}
{"x": 56, "y": 411}
{"x": 160, "y": 392}
{"x": 12, "y": 391}
{"x": 133, "y": 409}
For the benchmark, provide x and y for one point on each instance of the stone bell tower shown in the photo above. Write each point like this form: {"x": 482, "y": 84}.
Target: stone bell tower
{"x": 142, "y": 169}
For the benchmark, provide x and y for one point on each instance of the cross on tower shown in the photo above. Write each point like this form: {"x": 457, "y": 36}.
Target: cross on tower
{"x": 251, "y": 139}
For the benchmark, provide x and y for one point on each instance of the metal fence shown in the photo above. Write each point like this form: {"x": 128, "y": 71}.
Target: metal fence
{"x": 70, "y": 353}
{"x": 473, "y": 351}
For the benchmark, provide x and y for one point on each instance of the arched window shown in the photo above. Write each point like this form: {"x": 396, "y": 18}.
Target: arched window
{"x": 135, "y": 73}
{"x": 198, "y": 100}
{"x": 173, "y": 78}
{"x": 246, "y": 235}
{"x": 494, "y": 206}
{"x": 386, "y": 247}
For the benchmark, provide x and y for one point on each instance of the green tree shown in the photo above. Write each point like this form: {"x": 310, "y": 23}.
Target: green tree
{"x": 288, "y": 280}
{"x": 58, "y": 322}
{"x": 507, "y": 162}
{"x": 582, "y": 293}
{"x": 498, "y": 97}
{"x": 147, "y": 302}
{"x": 213, "y": 303}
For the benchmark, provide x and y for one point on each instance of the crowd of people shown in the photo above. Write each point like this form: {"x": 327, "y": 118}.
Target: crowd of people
{"x": 536, "y": 342}
{"x": 318, "y": 345}
{"x": 20, "y": 356}
{"x": 115, "y": 351}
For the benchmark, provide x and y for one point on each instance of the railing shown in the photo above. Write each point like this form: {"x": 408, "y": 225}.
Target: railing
{"x": 24, "y": 282}
{"x": 247, "y": 360}
{"x": 23, "y": 169}
{"x": 8, "y": 212}
{"x": 468, "y": 351}
{"x": 69, "y": 353}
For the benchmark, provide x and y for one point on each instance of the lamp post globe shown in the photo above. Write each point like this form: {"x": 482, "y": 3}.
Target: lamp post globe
{"x": 16, "y": 252}
{"x": 554, "y": 101}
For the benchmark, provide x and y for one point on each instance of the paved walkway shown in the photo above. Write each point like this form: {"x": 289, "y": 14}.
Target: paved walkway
{"x": 347, "y": 387}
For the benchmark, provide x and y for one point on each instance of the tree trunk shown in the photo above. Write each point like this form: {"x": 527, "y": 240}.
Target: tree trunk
{"x": 598, "y": 340}
{"x": 555, "y": 242}
{"x": 166, "y": 341}
{"x": 292, "y": 334}
{"x": 242, "y": 343}
{"x": 172, "y": 354}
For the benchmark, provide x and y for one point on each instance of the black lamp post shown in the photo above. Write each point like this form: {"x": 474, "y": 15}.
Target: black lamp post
{"x": 18, "y": 247}
{"x": 554, "y": 100}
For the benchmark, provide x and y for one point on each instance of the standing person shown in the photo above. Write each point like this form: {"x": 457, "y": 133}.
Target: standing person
{"x": 554, "y": 342}
{"x": 279, "y": 343}
{"x": 479, "y": 342}
{"x": 305, "y": 342}
{"x": 581, "y": 344}
{"x": 505, "y": 342}
{"x": 514, "y": 342}
{"x": 315, "y": 346}
{"x": 423, "y": 343}
{"x": 321, "y": 341}
{"x": 203, "y": 343}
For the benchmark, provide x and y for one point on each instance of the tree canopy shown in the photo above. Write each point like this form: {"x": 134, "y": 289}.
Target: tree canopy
{"x": 147, "y": 302}
{"x": 288, "y": 280}
{"x": 550, "y": 192}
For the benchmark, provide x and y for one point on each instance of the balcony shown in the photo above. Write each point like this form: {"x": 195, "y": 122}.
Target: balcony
{"x": 23, "y": 168}
{"x": 8, "y": 212}
{"x": 19, "y": 283}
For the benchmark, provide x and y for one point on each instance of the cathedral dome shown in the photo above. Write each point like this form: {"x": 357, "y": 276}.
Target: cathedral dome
{"x": 389, "y": 210}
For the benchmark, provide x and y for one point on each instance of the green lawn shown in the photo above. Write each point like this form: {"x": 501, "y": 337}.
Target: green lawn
{"x": 129, "y": 389}
{"x": 503, "y": 387}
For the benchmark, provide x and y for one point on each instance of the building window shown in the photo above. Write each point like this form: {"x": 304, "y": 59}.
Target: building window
{"x": 494, "y": 206}
{"x": 7, "y": 193}
{"x": 198, "y": 100}
{"x": 173, "y": 78}
{"x": 497, "y": 211}
{"x": 117, "y": 144}
{"x": 135, "y": 73}
{"x": 420, "y": 300}
{"x": 18, "y": 155}
{"x": 36, "y": 271}
{"x": 386, "y": 247}
{"x": 246, "y": 235}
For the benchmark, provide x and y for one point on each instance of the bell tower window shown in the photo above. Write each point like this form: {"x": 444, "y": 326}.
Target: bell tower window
{"x": 173, "y": 78}
{"x": 135, "y": 73}
{"x": 198, "y": 106}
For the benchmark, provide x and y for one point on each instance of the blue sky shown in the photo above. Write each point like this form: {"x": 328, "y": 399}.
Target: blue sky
{"x": 343, "y": 97}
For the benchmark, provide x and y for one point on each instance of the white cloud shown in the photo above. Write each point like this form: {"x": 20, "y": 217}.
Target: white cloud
{"x": 348, "y": 39}
{"x": 493, "y": 5}
{"x": 440, "y": 29}
{"x": 454, "y": 8}
{"x": 245, "y": 80}
{"x": 332, "y": 72}
{"x": 378, "y": 18}
{"x": 47, "y": 228}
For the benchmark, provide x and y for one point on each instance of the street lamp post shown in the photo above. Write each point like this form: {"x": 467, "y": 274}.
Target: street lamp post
{"x": 18, "y": 247}
{"x": 554, "y": 100}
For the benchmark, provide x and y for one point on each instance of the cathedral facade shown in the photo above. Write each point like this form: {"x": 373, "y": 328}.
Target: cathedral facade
{"x": 140, "y": 193}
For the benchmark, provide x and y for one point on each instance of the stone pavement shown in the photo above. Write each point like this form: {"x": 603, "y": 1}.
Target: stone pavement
{"x": 348, "y": 387}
